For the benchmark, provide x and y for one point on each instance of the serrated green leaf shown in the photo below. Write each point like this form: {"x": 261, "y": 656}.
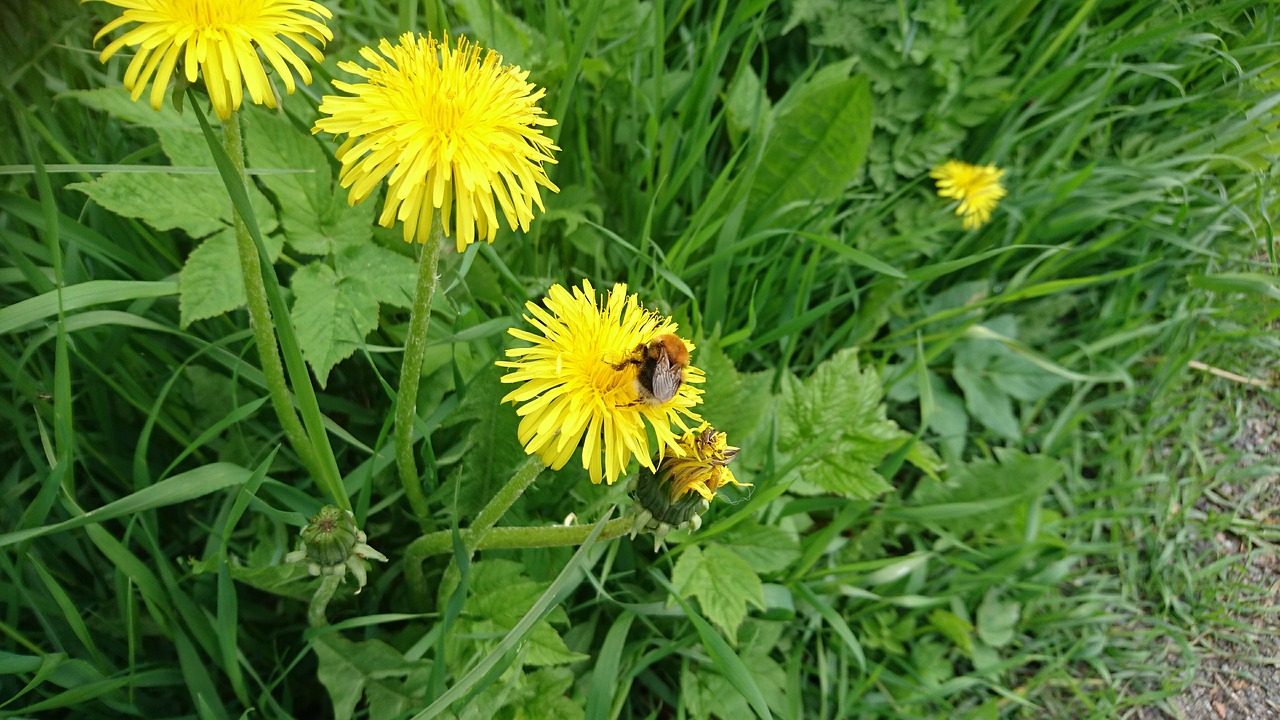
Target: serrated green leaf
{"x": 501, "y": 594}
{"x": 710, "y": 694}
{"x": 347, "y": 668}
{"x": 722, "y": 582}
{"x": 210, "y": 283}
{"x": 818, "y": 144}
{"x": 547, "y": 696}
{"x": 315, "y": 215}
{"x": 196, "y": 204}
{"x": 116, "y": 102}
{"x": 333, "y": 314}
{"x": 842, "y": 401}
{"x": 390, "y": 277}
{"x": 766, "y": 548}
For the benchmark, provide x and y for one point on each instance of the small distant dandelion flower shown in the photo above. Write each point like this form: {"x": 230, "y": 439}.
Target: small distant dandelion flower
{"x": 977, "y": 187}
{"x": 576, "y": 385}
{"x": 450, "y": 128}
{"x": 682, "y": 488}
{"x": 220, "y": 41}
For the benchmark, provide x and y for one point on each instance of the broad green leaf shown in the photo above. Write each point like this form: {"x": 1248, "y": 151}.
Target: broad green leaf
{"x": 842, "y": 401}
{"x": 569, "y": 578}
{"x": 390, "y": 277}
{"x": 493, "y": 26}
{"x": 997, "y": 619}
{"x": 196, "y": 204}
{"x": 723, "y": 659}
{"x": 980, "y": 493}
{"x": 501, "y": 594}
{"x": 314, "y": 214}
{"x": 987, "y": 403}
{"x": 706, "y": 693}
{"x": 544, "y": 693}
{"x": 722, "y": 582}
{"x": 347, "y": 669}
{"x": 739, "y": 404}
{"x": 284, "y": 579}
{"x": 818, "y": 144}
{"x": 766, "y": 548}
{"x": 746, "y": 102}
{"x": 333, "y": 314}
{"x": 210, "y": 282}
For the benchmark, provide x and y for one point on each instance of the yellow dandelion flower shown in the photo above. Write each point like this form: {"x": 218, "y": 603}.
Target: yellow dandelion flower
{"x": 220, "y": 41}
{"x": 977, "y": 187}
{"x": 681, "y": 490}
{"x": 450, "y": 128}
{"x": 582, "y": 382}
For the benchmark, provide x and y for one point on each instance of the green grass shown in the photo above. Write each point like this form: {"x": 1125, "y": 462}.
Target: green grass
{"x": 713, "y": 159}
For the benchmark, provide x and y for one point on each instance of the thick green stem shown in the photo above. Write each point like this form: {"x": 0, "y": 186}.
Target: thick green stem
{"x": 260, "y": 315}
{"x": 506, "y": 497}
{"x": 320, "y": 601}
{"x": 415, "y": 349}
{"x": 438, "y": 543}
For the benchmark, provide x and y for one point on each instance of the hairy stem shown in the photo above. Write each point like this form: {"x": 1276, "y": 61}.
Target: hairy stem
{"x": 260, "y": 316}
{"x": 320, "y": 601}
{"x": 437, "y": 543}
{"x": 415, "y": 349}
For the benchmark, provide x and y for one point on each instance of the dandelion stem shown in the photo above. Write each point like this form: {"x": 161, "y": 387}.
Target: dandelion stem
{"x": 492, "y": 512}
{"x": 437, "y": 543}
{"x": 415, "y": 348}
{"x": 260, "y": 315}
{"x": 320, "y": 601}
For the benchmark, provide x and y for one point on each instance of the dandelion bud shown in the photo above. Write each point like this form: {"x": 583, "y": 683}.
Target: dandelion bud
{"x": 332, "y": 544}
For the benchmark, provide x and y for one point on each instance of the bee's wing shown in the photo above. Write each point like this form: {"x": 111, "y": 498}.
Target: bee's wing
{"x": 666, "y": 380}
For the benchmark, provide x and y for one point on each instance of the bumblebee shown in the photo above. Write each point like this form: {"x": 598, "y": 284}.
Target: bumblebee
{"x": 661, "y": 364}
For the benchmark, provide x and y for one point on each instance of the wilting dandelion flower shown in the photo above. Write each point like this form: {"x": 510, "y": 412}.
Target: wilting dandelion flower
{"x": 219, "y": 41}
{"x": 449, "y": 127}
{"x": 977, "y": 187}
{"x": 579, "y": 383}
{"x": 682, "y": 488}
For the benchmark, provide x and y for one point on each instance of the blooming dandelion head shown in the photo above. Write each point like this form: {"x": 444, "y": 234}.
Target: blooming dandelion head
{"x": 977, "y": 187}
{"x": 451, "y": 130}
{"x": 577, "y": 387}
{"x": 222, "y": 42}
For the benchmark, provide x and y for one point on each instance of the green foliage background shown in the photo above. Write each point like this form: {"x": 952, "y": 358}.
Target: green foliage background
{"x": 975, "y": 455}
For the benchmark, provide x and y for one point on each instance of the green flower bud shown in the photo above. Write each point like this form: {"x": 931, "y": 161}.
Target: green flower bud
{"x": 332, "y": 545}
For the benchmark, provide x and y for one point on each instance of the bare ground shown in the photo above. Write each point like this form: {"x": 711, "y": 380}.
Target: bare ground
{"x": 1239, "y": 673}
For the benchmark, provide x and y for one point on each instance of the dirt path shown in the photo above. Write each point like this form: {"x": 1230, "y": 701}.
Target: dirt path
{"x": 1239, "y": 674}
